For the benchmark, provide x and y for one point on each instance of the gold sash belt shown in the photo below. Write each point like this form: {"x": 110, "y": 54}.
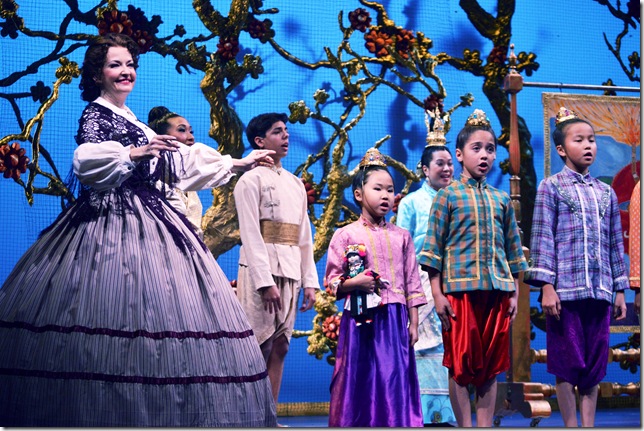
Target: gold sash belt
{"x": 280, "y": 233}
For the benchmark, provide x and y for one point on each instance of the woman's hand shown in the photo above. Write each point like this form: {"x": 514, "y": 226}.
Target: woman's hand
{"x": 154, "y": 148}
{"x": 254, "y": 159}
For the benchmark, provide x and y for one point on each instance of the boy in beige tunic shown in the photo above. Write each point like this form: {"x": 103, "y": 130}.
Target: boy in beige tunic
{"x": 276, "y": 255}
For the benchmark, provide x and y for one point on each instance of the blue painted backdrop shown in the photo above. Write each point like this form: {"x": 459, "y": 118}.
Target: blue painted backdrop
{"x": 567, "y": 36}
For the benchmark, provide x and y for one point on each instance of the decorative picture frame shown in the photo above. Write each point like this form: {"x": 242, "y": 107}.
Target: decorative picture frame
{"x": 616, "y": 120}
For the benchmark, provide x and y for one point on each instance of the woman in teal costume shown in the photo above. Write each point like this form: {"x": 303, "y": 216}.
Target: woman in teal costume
{"x": 413, "y": 214}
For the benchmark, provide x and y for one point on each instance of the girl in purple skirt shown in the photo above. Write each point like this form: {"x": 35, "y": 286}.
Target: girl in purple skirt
{"x": 374, "y": 382}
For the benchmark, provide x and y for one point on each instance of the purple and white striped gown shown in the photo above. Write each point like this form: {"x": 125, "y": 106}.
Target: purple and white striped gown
{"x": 118, "y": 315}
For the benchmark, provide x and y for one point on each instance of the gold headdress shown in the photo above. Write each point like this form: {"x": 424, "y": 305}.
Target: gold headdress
{"x": 435, "y": 129}
{"x": 478, "y": 119}
{"x": 565, "y": 114}
{"x": 372, "y": 158}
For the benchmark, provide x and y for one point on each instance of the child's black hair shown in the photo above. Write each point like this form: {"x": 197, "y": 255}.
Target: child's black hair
{"x": 361, "y": 178}
{"x": 559, "y": 133}
{"x": 468, "y": 131}
{"x": 261, "y": 124}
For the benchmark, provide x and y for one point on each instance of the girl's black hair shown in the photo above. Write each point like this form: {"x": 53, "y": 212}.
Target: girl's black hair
{"x": 559, "y": 134}
{"x": 468, "y": 131}
{"x": 361, "y": 178}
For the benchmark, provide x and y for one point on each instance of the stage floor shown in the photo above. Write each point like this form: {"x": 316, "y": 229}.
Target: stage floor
{"x": 610, "y": 418}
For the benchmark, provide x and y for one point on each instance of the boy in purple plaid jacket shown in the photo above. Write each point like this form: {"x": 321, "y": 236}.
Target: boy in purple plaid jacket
{"x": 577, "y": 258}
{"x": 473, "y": 255}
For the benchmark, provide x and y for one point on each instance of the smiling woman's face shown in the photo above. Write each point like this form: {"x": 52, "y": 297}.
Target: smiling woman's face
{"x": 118, "y": 74}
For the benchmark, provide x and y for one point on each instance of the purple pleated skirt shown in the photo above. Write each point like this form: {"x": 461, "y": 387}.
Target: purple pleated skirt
{"x": 374, "y": 381}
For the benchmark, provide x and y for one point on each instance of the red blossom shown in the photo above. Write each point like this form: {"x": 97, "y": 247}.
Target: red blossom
{"x": 13, "y": 161}
{"x": 432, "y": 102}
{"x": 397, "y": 200}
{"x": 378, "y": 41}
{"x": 132, "y": 23}
{"x": 114, "y": 21}
{"x": 404, "y": 41}
{"x": 143, "y": 39}
{"x": 311, "y": 193}
{"x": 228, "y": 48}
{"x": 497, "y": 55}
{"x": 256, "y": 28}
{"x": 326, "y": 286}
{"x": 360, "y": 19}
{"x": 331, "y": 327}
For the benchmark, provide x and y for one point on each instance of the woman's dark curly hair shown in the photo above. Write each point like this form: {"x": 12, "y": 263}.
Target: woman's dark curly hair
{"x": 95, "y": 60}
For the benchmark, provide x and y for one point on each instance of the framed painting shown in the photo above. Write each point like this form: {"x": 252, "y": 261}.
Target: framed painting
{"x": 616, "y": 121}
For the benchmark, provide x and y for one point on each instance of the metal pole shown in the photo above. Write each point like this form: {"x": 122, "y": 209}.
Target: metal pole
{"x": 581, "y": 86}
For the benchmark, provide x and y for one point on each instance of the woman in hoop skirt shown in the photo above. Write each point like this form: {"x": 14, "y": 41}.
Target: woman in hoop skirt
{"x": 118, "y": 315}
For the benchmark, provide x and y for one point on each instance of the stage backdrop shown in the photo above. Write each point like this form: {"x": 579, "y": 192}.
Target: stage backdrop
{"x": 567, "y": 48}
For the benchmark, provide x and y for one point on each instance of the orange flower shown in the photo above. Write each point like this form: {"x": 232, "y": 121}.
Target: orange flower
{"x": 404, "y": 41}
{"x": 378, "y": 41}
{"x": 331, "y": 327}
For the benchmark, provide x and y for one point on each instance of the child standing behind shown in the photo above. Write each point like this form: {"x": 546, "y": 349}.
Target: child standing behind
{"x": 414, "y": 211}
{"x": 577, "y": 260}
{"x": 374, "y": 382}
{"x": 473, "y": 255}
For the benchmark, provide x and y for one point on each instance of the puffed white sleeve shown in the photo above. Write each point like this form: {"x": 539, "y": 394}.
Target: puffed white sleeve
{"x": 104, "y": 165}
{"x": 200, "y": 167}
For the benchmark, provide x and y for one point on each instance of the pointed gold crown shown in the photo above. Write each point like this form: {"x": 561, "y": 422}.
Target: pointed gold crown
{"x": 565, "y": 114}
{"x": 372, "y": 158}
{"x": 478, "y": 119}
{"x": 435, "y": 128}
